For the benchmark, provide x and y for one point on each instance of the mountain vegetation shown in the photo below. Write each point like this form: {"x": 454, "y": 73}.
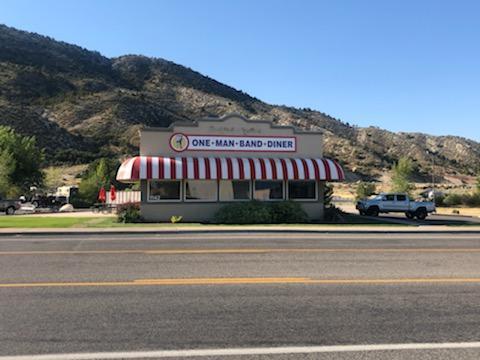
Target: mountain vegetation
{"x": 81, "y": 105}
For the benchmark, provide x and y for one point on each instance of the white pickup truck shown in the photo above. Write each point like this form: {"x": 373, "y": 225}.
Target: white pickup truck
{"x": 392, "y": 202}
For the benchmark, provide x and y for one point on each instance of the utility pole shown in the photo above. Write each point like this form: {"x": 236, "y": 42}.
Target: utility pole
{"x": 432, "y": 154}
{"x": 433, "y": 178}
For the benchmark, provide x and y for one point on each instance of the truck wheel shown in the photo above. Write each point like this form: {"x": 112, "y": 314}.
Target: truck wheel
{"x": 10, "y": 210}
{"x": 421, "y": 214}
{"x": 409, "y": 215}
{"x": 373, "y": 211}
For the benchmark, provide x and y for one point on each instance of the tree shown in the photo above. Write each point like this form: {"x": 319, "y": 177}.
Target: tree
{"x": 20, "y": 164}
{"x": 401, "y": 174}
{"x": 7, "y": 189}
{"x": 364, "y": 190}
{"x": 100, "y": 173}
{"x": 53, "y": 178}
{"x": 478, "y": 182}
{"x": 327, "y": 195}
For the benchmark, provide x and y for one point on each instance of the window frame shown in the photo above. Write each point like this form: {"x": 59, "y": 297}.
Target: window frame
{"x": 184, "y": 197}
{"x": 165, "y": 200}
{"x": 315, "y": 182}
{"x": 250, "y": 192}
{"x": 271, "y": 180}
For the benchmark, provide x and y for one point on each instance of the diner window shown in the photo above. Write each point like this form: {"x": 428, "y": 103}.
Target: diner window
{"x": 164, "y": 190}
{"x": 232, "y": 190}
{"x": 302, "y": 190}
{"x": 201, "y": 190}
{"x": 268, "y": 190}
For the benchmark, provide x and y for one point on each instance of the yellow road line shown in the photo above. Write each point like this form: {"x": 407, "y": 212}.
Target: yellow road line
{"x": 395, "y": 281}
{"x": 236, "y": 281}
{"x": 165, "y": 282}
{"x": 241, "y": 251}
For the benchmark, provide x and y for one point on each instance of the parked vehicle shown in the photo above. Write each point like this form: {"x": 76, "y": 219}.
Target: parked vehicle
{"x": 48, "y": 201}
{"x": 9, "y": 206}
{"x": 395, "y": 202}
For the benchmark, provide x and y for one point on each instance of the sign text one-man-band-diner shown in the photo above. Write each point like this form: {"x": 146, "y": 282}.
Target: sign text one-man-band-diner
{"x": 181, "y": 142}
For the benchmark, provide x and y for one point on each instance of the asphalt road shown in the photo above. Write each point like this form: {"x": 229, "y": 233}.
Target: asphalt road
{"x": 433, "y": 219}
{"x": 85, "y": 294}
{"x": 400, "y": 218}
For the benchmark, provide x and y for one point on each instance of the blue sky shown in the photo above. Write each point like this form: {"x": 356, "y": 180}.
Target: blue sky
{"x": 400, "y": 65}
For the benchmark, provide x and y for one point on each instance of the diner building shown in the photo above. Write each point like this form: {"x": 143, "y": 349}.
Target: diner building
{"x": 193, "y": 169}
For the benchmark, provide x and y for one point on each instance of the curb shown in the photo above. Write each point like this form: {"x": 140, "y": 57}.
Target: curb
{"x": 243, "y": 231}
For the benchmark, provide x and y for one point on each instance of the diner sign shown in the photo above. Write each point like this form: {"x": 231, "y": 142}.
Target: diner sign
{"x": 181, "y": 142}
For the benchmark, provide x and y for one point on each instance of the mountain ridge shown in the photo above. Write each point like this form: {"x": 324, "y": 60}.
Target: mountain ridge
{"x": 81, "y": 105}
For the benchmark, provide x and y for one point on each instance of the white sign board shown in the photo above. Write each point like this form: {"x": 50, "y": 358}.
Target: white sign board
{"x": 181, "y": 142}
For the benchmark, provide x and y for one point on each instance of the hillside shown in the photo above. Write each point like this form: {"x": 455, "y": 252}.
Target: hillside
{"x": 81, "y": 104}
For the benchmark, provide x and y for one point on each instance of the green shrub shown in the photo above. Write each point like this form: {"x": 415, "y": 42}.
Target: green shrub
{"x": 439, "y": 200}
{"x": 364, "y": 190}
{"x": 79, "y": 202}
{"x": 287, "y": 212}
{"x": 129, "y": 213}
{"x": 175, "y": 219}
{"x": 256, "y": 212}
{"x": 472, "y": 199}
{"x": 453, "y": 199}
{"x": 252, "y": 212}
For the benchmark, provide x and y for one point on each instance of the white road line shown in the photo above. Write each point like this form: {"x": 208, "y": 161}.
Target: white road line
{"x": 244, "y": 351}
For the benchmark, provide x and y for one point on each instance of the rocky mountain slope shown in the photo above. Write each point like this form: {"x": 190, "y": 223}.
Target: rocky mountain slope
{"x": 81, "y": 104}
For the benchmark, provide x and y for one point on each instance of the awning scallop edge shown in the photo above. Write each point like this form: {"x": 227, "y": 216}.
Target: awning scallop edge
{"x": 160, "y": 167}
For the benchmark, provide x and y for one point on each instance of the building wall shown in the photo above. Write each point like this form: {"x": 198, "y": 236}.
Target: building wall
{"x": 156, "y": 142}
{"x": 205, "y": 211}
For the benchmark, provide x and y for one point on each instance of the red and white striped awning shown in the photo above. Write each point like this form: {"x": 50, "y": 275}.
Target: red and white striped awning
{"x": 159, "y": 167}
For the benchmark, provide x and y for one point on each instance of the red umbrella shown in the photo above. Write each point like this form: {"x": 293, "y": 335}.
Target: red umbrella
{"x": 113, "y": 193}
{"x": 102, "y": 196}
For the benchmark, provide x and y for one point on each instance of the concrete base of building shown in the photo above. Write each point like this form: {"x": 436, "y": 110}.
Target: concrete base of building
{"x": 205, "y": 212}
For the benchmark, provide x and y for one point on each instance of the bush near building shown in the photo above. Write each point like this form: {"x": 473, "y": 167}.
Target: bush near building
{"x": 256, "y": 212}
{"x": 129, "y": 213}
{"x": 287, "y": 212}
